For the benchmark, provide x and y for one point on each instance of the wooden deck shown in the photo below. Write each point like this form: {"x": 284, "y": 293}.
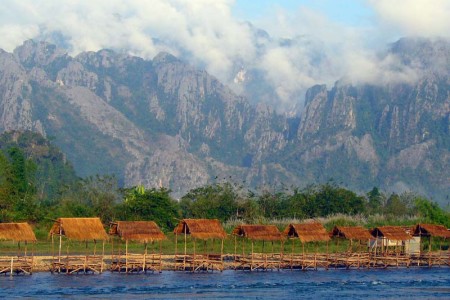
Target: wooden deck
{"x": 199, "y": 262}
{"x": 78, "y": 263}
{"x": 16, "y": 265}
{"x": 258, "y": 261}
{"x": 136, "y": 263}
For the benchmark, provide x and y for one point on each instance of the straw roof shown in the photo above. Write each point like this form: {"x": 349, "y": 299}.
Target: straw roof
{"x": 432, "y": 230}
{"x": 259, "y": 232}
{"x": 394, "y": 233}
{"x": 351, "y": 233}
{"x": 82, "y": 229}
{"x": 307, "y": 232}
{"x": 142, "y": 231}
{"x": 201, "y": 228}
{"x": 17, "y": 232}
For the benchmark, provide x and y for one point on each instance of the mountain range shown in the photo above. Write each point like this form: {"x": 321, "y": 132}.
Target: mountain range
{"x": 164, "y": 122}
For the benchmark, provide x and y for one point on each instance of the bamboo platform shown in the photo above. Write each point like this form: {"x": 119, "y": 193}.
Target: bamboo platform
{"x": 308, "y": 261}
{"x": 78, "y": 263}
{"x": 136, "y": 263}
{"x": 16, "y": 265}
{"x": 258, "y": 261}
{"x": 199, "y": 262}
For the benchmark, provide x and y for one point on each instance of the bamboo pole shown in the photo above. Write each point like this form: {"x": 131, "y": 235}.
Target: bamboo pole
{"x": 126, "y": 256}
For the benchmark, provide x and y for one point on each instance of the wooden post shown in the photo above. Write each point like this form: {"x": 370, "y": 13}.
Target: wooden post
{"x": 103, "y": 256}
{"x": 126, "y": 256}
{"x": 185, "y": 246}
{"x": 251, "y": 261}
{"x": 145, "y": 256}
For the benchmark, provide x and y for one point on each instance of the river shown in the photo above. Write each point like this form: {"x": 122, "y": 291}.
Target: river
{"x": 414, "y": 283}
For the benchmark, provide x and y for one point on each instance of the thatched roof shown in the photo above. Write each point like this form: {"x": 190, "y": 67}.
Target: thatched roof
{"x": 82, "y": 229}
{"x": 351, "y": 233}
{"x": 201, "y": 228}
{"x": 431, "y": 230}
{"x": 259, "y": 232}
{"x": 17, "y": 232}
{"x": 394, "y": 233}
{"x": 142, "y": 231}
{"x": 307, "y": 232}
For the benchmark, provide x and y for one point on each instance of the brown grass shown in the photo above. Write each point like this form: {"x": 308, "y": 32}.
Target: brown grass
{"x": 17, "y": 232}
{"x": 259, "y": 232}
{"x": 140, "y": 231}
{"x": 201, "y": 228}
{"x": 308, "y": 232}
{"x": 82, "y": 229}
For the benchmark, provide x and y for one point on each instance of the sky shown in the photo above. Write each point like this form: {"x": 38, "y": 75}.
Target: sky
{"x": 311, "y": 41}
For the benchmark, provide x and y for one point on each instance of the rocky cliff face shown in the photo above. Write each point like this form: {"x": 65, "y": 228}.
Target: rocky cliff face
{"x": 163, "y": 122}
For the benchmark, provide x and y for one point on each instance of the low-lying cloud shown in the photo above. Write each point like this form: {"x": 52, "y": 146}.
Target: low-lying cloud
{"x": 303, "y": 48}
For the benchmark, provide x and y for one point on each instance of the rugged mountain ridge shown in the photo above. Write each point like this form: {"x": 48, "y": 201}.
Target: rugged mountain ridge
{"x": 164, "y": 122}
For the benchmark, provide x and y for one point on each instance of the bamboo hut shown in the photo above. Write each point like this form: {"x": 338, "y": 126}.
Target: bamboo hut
{"x": 204, "y": 258}
{"x": 356, "y": 254}
{"x": 20, "y": 262}
{"x": 263, "y": 260}
{"x": 139, "y": 231}
{"x": 69, "y": 231}
{"x": 307, "y": 233}
{"x": 426, "y": 232}
{"x": 389, "y": 246}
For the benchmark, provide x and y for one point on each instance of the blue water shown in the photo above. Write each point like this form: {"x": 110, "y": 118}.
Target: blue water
{"x": 414, "y": 283}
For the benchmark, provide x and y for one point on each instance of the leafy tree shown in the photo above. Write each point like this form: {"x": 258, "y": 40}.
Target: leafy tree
{"x": 376, "y": 201}
{"x": 431, "y": 212}
{"x": 149, "y": 204}
{"x": 210, "y": 201}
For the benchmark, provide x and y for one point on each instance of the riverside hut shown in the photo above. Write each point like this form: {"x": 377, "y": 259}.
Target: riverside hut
{"x": 21, "y": 262}
{"x": 356, "y": 254}
{"x": 389, "y": 246}
{"x": 76, "y": 235}
{"x": 426, "y": 232}
{"x": 307, "y": 233}
{"x": 206, "y": 258}
{"x": 263, "y": 259}
{"x": 145, "y": 232}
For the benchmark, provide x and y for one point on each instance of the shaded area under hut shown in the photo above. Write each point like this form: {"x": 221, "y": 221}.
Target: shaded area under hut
{"x": 263, "y": 259}
{"x": 388, "y": 248}
{"x": 307, "y": 233}
{"x": 19, "y": 260}
{"x": 427, "y": 234}
{"x": 78, "y": 233}
{"x": 357, "y": 254}
{"x": 206, "y": 257}
{"x": 146, "y": 232}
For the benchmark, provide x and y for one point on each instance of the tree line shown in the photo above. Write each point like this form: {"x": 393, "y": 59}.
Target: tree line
{"x": 41, "y": 186}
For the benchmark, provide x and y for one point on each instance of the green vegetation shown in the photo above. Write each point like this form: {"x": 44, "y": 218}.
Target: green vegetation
{"x": 38, "y": 185}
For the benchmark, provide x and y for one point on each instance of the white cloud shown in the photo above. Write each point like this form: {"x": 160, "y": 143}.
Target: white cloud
{"x": 414, "y": 17}
{"x": 206, "y": 33}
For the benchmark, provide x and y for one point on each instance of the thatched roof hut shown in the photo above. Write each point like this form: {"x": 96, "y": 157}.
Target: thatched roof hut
{"x": 203, "y": 229}
{"x": 393, "y": 233}
{"x": 431, "y": 230}
{"x": 82, "y": 229}
{"x": 141, "y": 231}
{"x": 351, "y": 233}
{"x": 19, "y": 232}
{"x": 307, "y": 232}
{"x": 259, "y": 232}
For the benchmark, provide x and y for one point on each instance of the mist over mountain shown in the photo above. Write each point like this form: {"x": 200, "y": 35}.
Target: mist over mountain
{"x": 165, "y": 122}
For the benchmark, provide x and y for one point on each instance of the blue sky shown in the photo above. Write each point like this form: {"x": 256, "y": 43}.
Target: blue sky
{"x": 349, "y": 12}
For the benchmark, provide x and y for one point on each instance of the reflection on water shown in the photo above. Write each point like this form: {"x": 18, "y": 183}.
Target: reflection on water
{"x": 355, "y": 284}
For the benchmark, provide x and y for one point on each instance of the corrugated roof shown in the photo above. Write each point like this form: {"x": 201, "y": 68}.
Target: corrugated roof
{"x": 259, "y": 232}
{"x": 307, "y": 232}
{"x": 351, "y": 233}
{"x": 17, "y": 232}
{"x": 201, "y": 228}
{"x": 394, "y": 233}
{"x": 142, "y": 231}
{"x": 82, "y": 229}
{"x": 432, "y": 230}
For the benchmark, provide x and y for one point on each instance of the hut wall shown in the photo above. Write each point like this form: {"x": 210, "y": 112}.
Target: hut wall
{"x": 412, "y": 246}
